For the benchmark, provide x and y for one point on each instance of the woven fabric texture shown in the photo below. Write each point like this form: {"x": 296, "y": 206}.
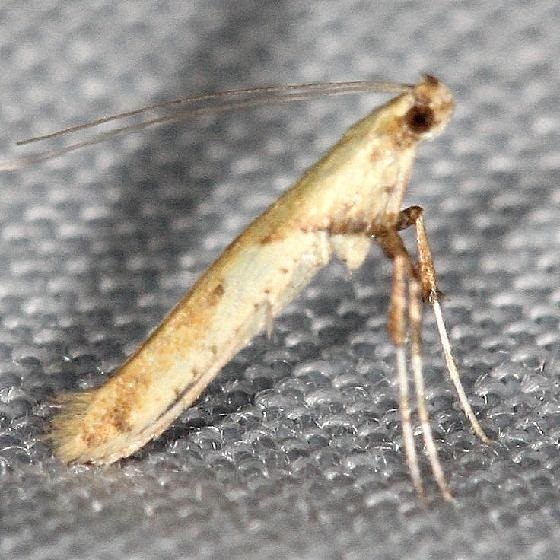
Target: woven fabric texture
{"x": 294, "y": 451}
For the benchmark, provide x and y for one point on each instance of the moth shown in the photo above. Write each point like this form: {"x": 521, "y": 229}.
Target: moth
{"x": 349, "y": 198}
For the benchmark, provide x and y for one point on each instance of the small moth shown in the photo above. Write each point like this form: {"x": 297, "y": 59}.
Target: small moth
{"x": 351, "y": 196}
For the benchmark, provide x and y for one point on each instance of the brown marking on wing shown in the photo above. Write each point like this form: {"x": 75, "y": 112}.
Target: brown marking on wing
{"x": 272, "y": 237}
{"x": 388, "y": 190}
{"x": 216, "y": 294}
{"x": 113, "y": 408}
{"x": 348, "y": 226}
{"x": 92, "y": 439}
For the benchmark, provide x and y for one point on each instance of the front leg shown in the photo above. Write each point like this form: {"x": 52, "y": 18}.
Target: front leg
{"x": 413, "y": 282}
{"x": 414, "y": 216}
{"x": 404, "y": 325}
{"x": 405, "y": 322}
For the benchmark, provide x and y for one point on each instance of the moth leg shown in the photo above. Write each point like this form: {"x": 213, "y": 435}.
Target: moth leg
{"x": 397, "y": 326}
{"x": 414, "y": 216}
{"x": 415, "y": 317}
{"x": 269, "y": 324}
{"x": 406, "y": 296}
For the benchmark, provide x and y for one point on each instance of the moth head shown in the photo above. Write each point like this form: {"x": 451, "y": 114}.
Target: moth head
{"x": 432, "y": 106}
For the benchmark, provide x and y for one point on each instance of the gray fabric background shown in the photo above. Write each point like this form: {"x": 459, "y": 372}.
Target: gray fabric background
{"x": 294, "y": 451}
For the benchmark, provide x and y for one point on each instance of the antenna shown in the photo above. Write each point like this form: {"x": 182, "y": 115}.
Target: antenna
{"x": 188, "y": 106}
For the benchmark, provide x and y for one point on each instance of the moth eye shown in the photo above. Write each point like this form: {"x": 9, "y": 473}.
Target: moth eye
{"x": 420, "y": 119}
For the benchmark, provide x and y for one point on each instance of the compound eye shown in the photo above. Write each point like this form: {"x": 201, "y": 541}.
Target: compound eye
{"x": 420, "y": 119}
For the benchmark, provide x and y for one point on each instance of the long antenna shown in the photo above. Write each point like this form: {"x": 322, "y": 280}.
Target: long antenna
{"x": 182, "y": 107}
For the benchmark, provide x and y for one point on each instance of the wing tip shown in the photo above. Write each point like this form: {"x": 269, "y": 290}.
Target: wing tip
{"x": 65, "y": 431}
